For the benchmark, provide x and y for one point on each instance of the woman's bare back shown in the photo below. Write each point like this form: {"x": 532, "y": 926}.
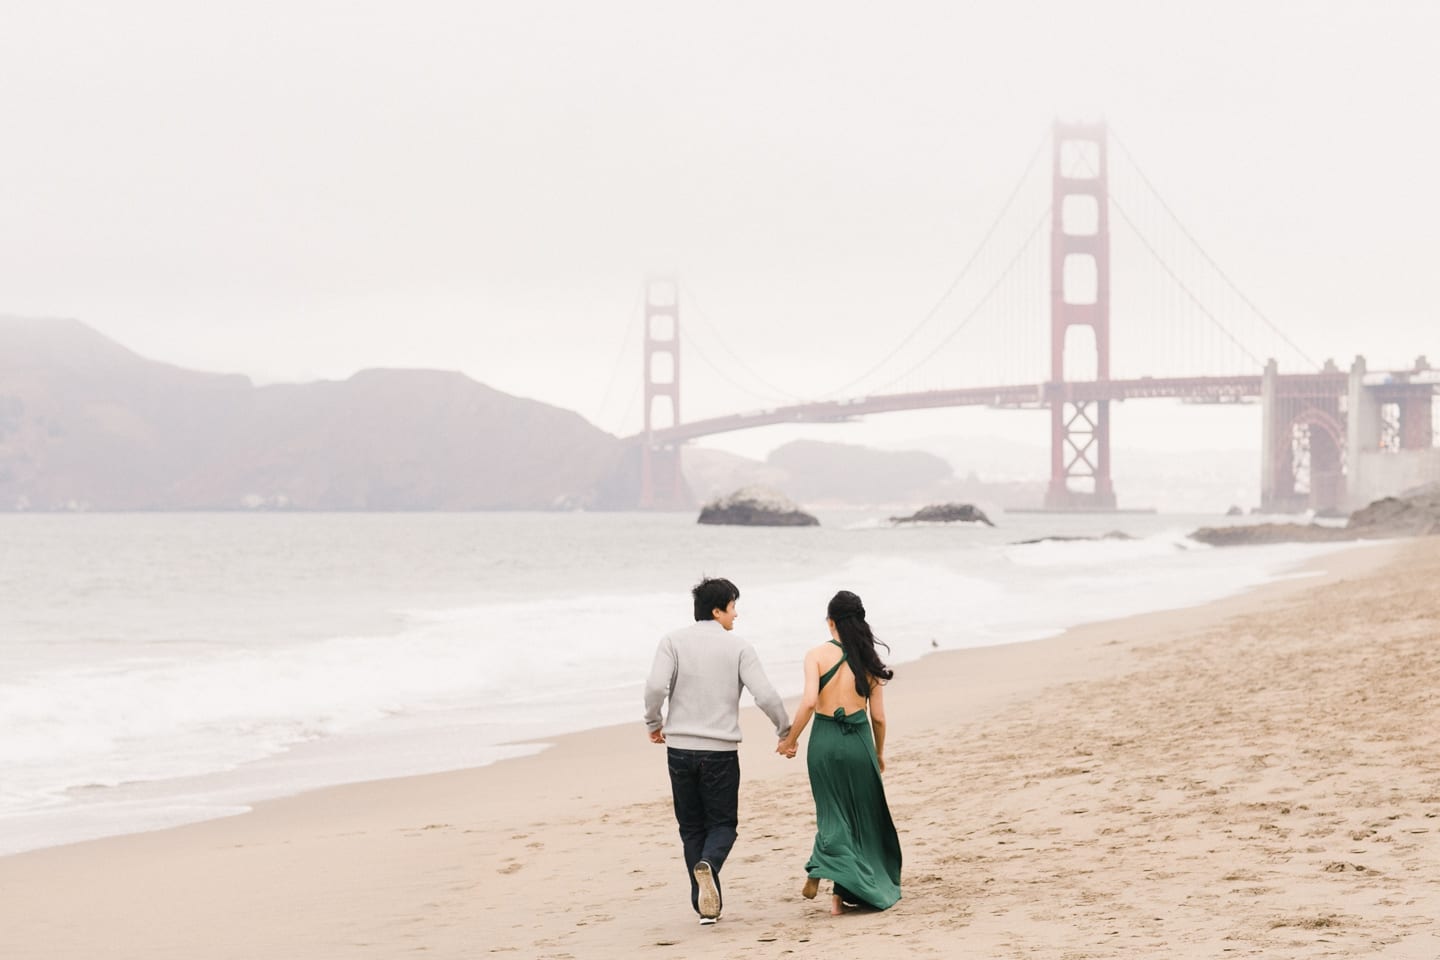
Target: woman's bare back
{"x": 839, "y": 691}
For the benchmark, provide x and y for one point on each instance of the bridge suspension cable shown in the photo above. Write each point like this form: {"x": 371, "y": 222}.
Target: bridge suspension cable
{"x": 1184, "y": 288}
{"x": 772, "y": 391}
{"x": 952, "y": 287}
{"x": 1205, "y": 254}
{"x": 979, "y": 306}
{"x": 769, "y": 395}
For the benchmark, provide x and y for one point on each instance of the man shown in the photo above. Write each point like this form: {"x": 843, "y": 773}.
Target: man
{"x": 702, "y": 668}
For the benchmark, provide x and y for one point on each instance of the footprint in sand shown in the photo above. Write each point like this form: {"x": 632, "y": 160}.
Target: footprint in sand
{"x": 1322, "y": 922}
{"x": 1344, "y": 866}
{"x": 513, "y": 866}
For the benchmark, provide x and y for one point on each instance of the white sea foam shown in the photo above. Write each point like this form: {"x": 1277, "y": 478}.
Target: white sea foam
{"x": 91, "y": 742}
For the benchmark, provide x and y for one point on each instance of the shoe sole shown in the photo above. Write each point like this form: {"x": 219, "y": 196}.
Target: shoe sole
{"x": 709, "y": 893}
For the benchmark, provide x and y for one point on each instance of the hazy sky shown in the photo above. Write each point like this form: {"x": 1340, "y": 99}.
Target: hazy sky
{"x": 299, "y": 190}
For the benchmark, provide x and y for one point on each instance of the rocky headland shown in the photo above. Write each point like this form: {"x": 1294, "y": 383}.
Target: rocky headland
{"x": 1415, "y": 513}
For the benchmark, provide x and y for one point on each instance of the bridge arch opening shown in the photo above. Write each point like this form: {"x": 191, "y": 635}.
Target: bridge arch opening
{"x": 1390, "y": 432}
{"x": 1082, "y": 355}
{"x": 1317, "y": 457}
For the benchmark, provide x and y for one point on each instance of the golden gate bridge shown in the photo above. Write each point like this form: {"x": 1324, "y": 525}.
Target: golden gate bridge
{"x": 1330, "y": 437}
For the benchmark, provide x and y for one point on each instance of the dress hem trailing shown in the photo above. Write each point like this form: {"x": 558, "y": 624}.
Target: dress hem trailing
{"x": 856, "y": 845}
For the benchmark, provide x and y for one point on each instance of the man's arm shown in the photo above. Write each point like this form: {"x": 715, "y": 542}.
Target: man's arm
{"x": 754, "y": 678}
{"x": 657, "y": 688}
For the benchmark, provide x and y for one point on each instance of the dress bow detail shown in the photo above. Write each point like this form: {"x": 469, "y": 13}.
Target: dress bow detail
{"x": 846, "y": 728}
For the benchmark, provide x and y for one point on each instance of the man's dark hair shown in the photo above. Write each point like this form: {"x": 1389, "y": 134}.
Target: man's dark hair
{"x": 711, "y": 595}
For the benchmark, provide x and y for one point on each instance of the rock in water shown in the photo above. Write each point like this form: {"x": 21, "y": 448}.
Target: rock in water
{"x": 946, "y": 513}
{"x": 756, "y": 507}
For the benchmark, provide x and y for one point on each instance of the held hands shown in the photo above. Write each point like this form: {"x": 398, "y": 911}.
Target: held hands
{"x": 786, "y": 748}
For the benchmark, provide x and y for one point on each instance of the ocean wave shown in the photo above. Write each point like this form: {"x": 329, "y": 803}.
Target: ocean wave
{"x": 458, "y": 679}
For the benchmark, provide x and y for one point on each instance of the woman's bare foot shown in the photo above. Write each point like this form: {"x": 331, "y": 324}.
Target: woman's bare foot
{"x": 835, "y": 908}
{"x": 812, "y": 887}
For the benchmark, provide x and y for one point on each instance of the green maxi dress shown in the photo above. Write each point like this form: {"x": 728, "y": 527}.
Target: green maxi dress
{"x": 855, "y": 841}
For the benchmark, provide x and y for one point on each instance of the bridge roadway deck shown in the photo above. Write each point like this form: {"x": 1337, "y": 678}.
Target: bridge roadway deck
{"x": 1329, "y": 383}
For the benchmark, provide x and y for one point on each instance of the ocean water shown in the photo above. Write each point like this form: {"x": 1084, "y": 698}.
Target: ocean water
{"x": 157, "y": 669}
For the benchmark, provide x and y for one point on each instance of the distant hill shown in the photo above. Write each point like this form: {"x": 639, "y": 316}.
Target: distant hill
{"x": 87, "y": 424}
{"x": 820, "y": 473}
{"x": 853, "y": 474}
{"x": 717, "y": 473}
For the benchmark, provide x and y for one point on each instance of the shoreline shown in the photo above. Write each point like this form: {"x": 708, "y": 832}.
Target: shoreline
{"x": 147, "y": 806}
{"x": 996, "y": 777}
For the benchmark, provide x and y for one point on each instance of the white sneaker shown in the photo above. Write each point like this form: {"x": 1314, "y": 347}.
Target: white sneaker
{"x": 709, "y": 893}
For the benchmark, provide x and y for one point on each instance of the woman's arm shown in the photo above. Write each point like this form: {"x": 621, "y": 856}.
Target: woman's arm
{"x": 877, "y": 719}
{"x": 806, "y": 710}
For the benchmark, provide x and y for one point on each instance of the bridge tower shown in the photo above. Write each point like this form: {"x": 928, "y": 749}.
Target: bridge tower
{"x": 662, "y": 482}
{"x": 1079, "y": 299}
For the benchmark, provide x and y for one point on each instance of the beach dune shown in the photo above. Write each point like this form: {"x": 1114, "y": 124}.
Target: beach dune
{"x": 1256, "y": 777}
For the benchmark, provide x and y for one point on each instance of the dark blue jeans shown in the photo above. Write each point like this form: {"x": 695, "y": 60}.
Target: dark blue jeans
{"x": 705, "y": 785}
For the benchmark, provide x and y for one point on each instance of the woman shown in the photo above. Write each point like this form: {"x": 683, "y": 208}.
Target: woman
{"x": 855, "y": 841}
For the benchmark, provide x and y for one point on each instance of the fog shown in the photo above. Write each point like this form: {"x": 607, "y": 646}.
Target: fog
{"x": 302, "y": 190}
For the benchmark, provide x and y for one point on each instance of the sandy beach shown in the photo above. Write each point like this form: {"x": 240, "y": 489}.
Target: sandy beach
{"x": 1256, "y": 777}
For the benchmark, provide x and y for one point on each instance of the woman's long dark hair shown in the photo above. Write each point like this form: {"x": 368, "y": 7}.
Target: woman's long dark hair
{"x": 858, "y": 641}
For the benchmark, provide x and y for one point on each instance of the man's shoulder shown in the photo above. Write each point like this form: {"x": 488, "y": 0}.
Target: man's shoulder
{"x": 679, "y": 633}
{"x": 710, "y": 633}
{"x": 697, "y": 628}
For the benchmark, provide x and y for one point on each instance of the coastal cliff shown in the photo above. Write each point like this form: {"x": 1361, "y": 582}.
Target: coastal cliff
{"x": 87, "y": 424}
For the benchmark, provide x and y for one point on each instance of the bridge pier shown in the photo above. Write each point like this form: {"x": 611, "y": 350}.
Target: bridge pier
{"x": 1392, "y": 433}
{"x": 1080, "y": 450}
{"x": 662, "y": 478}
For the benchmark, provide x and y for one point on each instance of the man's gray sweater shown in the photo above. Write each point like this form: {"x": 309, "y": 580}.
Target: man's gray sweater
{"x": 702, "y": 669}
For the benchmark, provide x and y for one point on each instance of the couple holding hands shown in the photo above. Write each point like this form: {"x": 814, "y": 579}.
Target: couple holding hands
{"x": 701, "y": 670}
